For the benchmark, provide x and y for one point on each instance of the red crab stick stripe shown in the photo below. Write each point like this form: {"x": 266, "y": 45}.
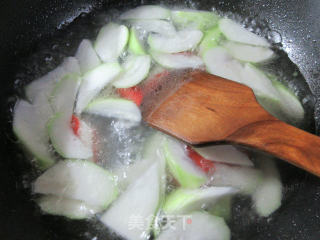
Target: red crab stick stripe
{"x": 133, "y": 93}
{"x": 186, "y": 53}
{"x": 137, "y": 93}
{"x": 206, "y": 165}
{"x": 75, "y": 124}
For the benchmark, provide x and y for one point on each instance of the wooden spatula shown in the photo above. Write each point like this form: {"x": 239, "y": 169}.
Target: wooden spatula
{"x": 210, "y": 109}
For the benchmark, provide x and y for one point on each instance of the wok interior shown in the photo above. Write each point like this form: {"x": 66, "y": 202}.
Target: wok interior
{"x": 51, "y": 37}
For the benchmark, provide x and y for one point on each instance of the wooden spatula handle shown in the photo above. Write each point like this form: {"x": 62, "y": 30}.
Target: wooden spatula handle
{"x": 281, "y": 140}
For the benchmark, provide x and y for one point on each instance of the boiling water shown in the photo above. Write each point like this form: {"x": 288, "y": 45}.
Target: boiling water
{"x": 121, "y": 145}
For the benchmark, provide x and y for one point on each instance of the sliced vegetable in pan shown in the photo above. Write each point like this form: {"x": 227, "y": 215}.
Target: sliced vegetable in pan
{"x": 78, "y": 180}
{"x": 140, "y": 199}
{"x": 235, "y": 32}
{"x": 189, "y": 19}
{"x": 182, "y": 41}
{"x": 135, "y": 69}
{"x": 87, "y": 56}
{"x": 70, "y": 208}
{"x": 135, "y": 45}
{"x": 162, "y": 27}
{"x": 93, "y": 82}
{"x": 115, "y": 107}
{"x": 147, "y": 12}
{"x": 176, "y": 61}
{"x": 111, "y": 42}
{"x": 29, "y": 127}
{"x": 181, "y": 166}
{"x": 198, "y": 225}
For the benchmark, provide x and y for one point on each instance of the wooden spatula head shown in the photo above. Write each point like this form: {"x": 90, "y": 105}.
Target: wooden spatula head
{"x": 206, "y": 108}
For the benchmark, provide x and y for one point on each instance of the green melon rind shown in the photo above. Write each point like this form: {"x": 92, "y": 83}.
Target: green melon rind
{"x": 59, "y": 87}
{"x": 211, "y": 39}
{"x": 177, "y": 198}
{"x": 50, "y": 127}
{"x": 186, "y": 179}
{"x": 42, "y": 161}
{"x": 278, "y": 104}
{"x": 222, "y": 208}
{"x": 135, "y": 46}
{"x": 285, "y": 92}
{"x": 201, "y": 20}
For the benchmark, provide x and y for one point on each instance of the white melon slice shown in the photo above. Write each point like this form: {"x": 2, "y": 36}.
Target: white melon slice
{"x": 246, "y": 179}
{"x": 111, "y": 41}
{"x": 87, "y": 56}
{"x": 237, "y": 33}
{"x": 248, "y": 53}
{"x": 224, "y": 154}
{"x": 94, "y": 81}
{"x": 73, "y": 209}
{"x": 177, "y": 61}
{"x": 64, "y": 94}
{"x": 162, "y": 27}
{"x": 182, "y": 41}
{"x": 44, "y": 85}
{"x": 197, "y": 226}
{"x": 219, "y": 62}
{"x": 140, "y": 200}
{"x": 63, "y": 139}
{"x": 115, "y": 107}
{"x": 78, "y": 180}
{"x": 30, "y": 128}
{"x": 146, "y": 12}
{"x": 135, "y": 69}
{"x": 267, "y": 197}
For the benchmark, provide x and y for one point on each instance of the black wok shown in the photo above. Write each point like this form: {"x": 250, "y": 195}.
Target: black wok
{"x": 29, "y": 27}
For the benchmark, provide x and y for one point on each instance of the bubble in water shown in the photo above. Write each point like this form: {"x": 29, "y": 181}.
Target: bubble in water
{"x": 55, "y": 46}
{"x": 48, "y": 58}
{"x": 295, "y": 74}
{"x": 258, "y": 31}
{"x": 274, "y": 37}
{"x": 84, "y": 14}
{"x": 253, "y": 23}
